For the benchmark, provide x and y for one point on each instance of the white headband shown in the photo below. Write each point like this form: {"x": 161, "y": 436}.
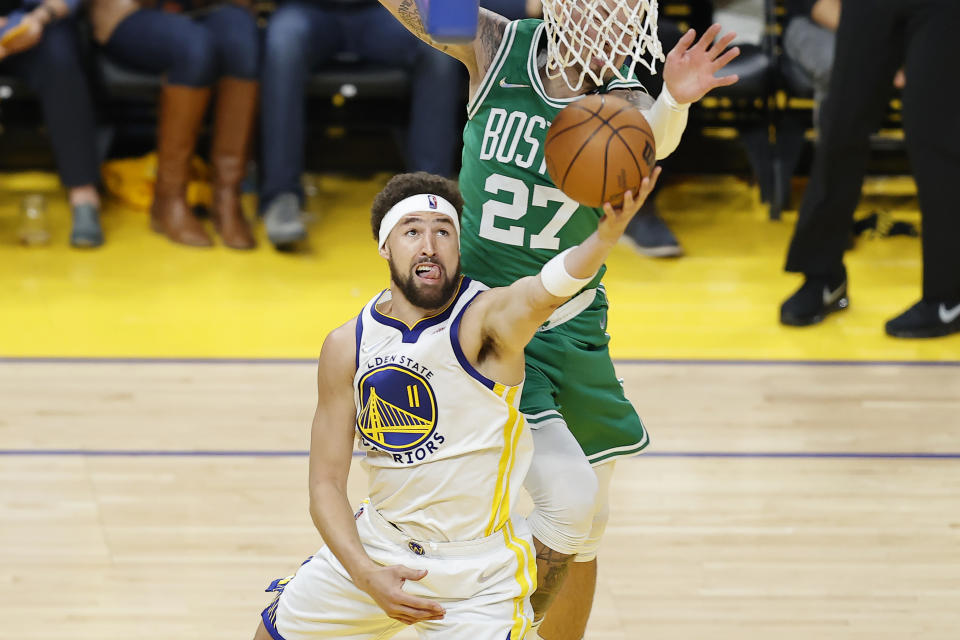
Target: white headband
{"x": 416, "y": 204}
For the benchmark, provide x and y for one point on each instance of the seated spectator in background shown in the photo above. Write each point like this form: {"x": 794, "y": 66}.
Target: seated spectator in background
{"x": 809, "y": 41}
{"x": 212, "y": 43}
{"x": 647, "y": 233}
{"x": 38, "y": 42}
{"x": 304, "y": 34}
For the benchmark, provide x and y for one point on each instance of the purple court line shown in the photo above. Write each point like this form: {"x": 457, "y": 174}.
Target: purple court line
{"x": 619, "y": 361}
{"x": 210, "y": 453}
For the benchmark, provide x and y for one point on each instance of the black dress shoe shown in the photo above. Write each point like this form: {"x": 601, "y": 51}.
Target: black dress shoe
{"x": 926, "y": 320}
{"x": 817, "y": 298}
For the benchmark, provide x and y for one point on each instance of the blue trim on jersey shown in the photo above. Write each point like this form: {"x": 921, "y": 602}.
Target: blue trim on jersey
{"x": 268, "y": 623}
{"x": 359, "y": 338}
{"x": 458, "y": 351}
{"x": 412, "y": 334}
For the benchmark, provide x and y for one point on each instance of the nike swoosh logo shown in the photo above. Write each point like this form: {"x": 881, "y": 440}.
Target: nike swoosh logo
{"x": 829, "y": 297}
{"x": 946, "y": 317}
{"x": 367, "y": 348}
{"x": 509, "y": 85}
{"x": 486, "y": 575}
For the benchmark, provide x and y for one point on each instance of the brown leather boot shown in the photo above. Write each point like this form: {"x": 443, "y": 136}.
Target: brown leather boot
{"x": 232, "y": 130}
{"x": 181, "y": 112}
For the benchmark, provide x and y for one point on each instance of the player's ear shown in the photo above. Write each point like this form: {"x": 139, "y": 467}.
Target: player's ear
{"x": 384, "y": 252}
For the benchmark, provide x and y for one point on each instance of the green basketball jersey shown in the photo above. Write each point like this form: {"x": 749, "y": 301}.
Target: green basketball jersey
{"x": 514, "y": 218}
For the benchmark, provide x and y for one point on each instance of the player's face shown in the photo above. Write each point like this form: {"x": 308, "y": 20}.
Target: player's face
{"x": 424, "y": 257}
{"x": 592, "y": 22}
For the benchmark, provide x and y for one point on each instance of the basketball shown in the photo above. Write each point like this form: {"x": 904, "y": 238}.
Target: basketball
{"x": 598, "y": 148}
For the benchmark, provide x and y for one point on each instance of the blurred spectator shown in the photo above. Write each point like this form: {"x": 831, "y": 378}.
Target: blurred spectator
{"x": 514, "y": 9}
{"x": 303, "y": 34}
{"x": 39, "y": 42}
{"x": 809, "y": 41}
{"x": 195, "y": 45}
{"x": 874, "y": 38}
{"x": 647, "y": 233}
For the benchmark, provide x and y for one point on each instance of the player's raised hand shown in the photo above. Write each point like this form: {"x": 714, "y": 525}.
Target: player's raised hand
{"x": 385, "y": 586}
{"x": 614, "y": 221}
{"x": 690, "y": 69}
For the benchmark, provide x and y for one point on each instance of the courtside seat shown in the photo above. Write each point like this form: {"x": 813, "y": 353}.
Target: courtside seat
{"x": 345, "y": 77}
{"x": 746, "y": 107}
{"x": 347, "y": 98}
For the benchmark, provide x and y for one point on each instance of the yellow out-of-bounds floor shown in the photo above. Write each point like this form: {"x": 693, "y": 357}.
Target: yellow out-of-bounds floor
{"x": 141, "y": 296}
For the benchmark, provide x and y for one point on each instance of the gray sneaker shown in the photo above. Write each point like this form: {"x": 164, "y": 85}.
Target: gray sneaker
{"x": 284, "y": 222}
{"x": 86, "y": 232}
{"x": 649, "y": 235}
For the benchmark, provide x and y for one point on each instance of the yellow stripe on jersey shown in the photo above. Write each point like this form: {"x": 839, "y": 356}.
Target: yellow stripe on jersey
{"x": 503, "y": 471}
{"x": 526, "y": 577}
{"x": 505, "y": 507}
{"x": 500, "y": 510}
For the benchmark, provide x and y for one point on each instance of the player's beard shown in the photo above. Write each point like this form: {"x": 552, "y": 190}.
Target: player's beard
{"x": 422, "y": 296}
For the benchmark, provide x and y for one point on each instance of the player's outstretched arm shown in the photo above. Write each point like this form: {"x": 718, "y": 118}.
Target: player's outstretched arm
{"x": 688, "y": 75}
{"x": 497, "y": 327}
{"x": 331, "y": 450}
{"x": 476, "y": 55}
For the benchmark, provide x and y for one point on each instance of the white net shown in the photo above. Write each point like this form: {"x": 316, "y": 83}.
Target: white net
{"x": 595, "y": 38}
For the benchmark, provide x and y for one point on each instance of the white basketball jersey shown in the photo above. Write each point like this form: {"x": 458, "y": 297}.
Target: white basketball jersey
{"x": 446, "y": 448}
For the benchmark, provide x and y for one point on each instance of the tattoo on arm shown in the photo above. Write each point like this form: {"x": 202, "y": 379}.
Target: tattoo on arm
{"x": 410, "y": 17}
{"x": 489, "y": 35}
{"x": 552, "y": 567}
{"x": 639, "y": 98}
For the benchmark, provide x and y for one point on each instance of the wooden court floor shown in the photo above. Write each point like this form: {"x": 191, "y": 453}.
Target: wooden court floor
{"x": 155, "y": 404}
{"x": 156, "y": 500}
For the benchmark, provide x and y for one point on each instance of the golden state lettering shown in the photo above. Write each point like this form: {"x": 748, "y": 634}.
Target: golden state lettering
{"x": 513, "y": 138}
{"x": 401, "y": 360}
{"x": 398, "y": 411}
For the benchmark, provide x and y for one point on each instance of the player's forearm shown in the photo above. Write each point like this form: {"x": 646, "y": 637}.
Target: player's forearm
{"x": 667, "y": 119}
{"x": 585, "y": 259}
{"x": 334, "y": 519}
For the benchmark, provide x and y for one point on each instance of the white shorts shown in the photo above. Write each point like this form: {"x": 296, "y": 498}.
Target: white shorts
{"x": 483, "y": 584}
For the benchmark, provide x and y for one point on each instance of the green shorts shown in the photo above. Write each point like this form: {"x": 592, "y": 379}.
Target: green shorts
{"x": 570, "y": 374}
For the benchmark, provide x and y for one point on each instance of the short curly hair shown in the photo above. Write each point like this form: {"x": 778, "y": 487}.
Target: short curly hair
{"x": 404, "y": 185}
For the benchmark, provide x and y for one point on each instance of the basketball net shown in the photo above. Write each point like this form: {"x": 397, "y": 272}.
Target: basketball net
{"x": 581, "y": 31}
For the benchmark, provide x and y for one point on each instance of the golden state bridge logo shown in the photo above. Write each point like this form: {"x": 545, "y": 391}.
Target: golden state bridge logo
{"x": 399, "y": 410}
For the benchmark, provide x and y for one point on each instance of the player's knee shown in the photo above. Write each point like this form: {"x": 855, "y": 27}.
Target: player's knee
{"x": 591, "y": 544}
{"x": 562, "y": 517}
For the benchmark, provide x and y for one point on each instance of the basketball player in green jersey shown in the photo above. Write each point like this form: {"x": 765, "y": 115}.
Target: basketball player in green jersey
{"x": 522, "y": 74}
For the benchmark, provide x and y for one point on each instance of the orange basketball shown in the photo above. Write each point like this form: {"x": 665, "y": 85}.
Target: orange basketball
{"x": 598, "y": 148}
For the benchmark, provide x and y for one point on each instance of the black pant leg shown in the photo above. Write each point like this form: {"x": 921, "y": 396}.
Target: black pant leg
{"x": 932, "y": 124}
{"x": 53, "y": 68}
{"x": 869, "y": 49}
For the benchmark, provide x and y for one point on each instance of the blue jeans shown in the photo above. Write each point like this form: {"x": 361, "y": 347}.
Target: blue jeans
{"x": 301, "y": 36}
{"x": 191, "y": 51}
{"x": 53, "y": 69}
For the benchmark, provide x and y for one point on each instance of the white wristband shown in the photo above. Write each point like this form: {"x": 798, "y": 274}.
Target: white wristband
{"x": 557, "y": 280}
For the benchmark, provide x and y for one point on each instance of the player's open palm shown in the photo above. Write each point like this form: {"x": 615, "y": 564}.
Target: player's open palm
{"x": 690, "y": 69}
{"x": 615, "y": 220}
{"x": 385, "y": 586}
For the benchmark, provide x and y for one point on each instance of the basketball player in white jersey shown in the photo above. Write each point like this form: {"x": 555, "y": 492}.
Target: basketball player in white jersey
{"x": 428, "y": 378}
{"x": 522, "y": 73}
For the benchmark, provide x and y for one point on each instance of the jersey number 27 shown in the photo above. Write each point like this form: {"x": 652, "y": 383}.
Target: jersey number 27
{"x": 517, "y": 208}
